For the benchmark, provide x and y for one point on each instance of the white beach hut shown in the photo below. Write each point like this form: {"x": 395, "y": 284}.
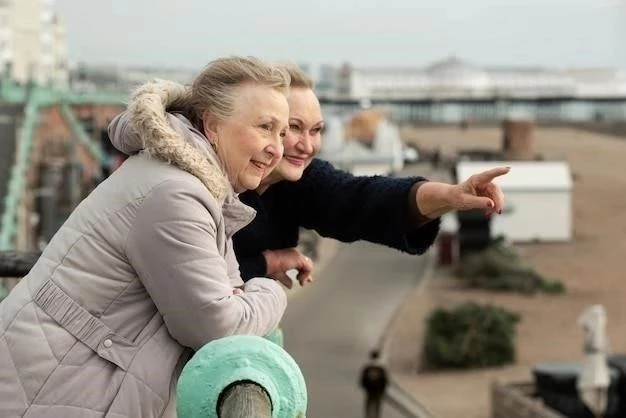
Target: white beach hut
{"x": 538, "y": 199}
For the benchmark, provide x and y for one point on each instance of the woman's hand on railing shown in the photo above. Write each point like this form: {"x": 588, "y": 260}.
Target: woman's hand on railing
{"x": 279, "y": 262}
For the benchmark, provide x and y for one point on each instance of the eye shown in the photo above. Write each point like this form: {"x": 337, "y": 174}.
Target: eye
{"x": 283, "y": 133}
{"x": 316, "y": 131}
{"x": 294, "y": 127}
{"x": 266, "y": 126}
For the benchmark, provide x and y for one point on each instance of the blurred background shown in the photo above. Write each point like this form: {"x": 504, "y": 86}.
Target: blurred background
{"x": 408, "y": 87}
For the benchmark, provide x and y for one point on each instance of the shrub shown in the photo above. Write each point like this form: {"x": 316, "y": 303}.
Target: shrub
{"x": 470, "y": 336}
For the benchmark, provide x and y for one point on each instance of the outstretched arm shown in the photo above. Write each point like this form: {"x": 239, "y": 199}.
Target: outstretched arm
{"x": 348, "y": 208}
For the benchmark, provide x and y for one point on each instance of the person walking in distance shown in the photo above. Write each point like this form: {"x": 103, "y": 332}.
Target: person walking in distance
{"x": 374, "y": 382}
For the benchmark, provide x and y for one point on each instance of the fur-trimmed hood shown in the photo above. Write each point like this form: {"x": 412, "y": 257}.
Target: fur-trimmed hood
{"x": 170, "y": 137}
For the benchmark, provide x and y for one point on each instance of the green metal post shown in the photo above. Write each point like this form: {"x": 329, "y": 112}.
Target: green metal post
{"x": 237, "y": 361}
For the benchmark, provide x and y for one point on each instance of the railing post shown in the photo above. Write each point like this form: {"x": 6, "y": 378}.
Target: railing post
{"x": 276, "y": 337}
{"x": 244, "y": 399}
{"x": 17, "y": 263}
{"x": 237, "y": 373}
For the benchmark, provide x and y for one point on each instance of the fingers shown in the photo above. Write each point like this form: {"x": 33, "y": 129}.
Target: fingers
{"x": 305, "y": 279}
{"x": 305, "y": 273}
{"x": 284, "y": 279}
{"x": 498, "y": 197}
{"x": 488, "y": 175}
{"x": 486, "y": 194}
{"x": 493, "y": 192}
{"x": 477, "y": 202}
{"x": 307, "y": 264}
{"x": 288, "y": 260}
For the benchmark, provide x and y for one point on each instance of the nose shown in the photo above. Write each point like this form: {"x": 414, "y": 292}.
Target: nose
{"x": 305, "y": 144}
{"x": 275, "y": 149}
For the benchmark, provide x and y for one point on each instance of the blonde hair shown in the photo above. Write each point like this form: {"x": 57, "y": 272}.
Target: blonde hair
{"x": 299, "y": 78}
{"x": 213, "y": 90}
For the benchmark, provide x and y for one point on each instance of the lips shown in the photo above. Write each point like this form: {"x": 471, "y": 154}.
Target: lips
{"x": 260, "y": 165}
{"x": 297, "y": 161}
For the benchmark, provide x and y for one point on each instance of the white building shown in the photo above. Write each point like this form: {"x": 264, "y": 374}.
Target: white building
{"x": 117, "y": 78}
{"x": 32, "y": 41}
{"x": 453, "y": 78}
{"x": 599, "y": 82}
{"x": 538, "y": 199}
{"x": 384, "y": 157}
{"x": 58, "y": 51}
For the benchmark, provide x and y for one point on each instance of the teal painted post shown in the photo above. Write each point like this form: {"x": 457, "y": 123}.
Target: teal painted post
{"x": 276, "y": 337}
{"x": 241, "y": 358}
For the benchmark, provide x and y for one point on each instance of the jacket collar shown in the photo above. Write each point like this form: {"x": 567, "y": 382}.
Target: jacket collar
{"x": 171, "y": 137}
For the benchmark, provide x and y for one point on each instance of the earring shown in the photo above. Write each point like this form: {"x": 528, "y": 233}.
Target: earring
{"x": 213, "y": 145}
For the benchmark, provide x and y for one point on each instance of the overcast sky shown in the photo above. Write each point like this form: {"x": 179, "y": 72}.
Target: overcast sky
{"x": 189, "y": 33}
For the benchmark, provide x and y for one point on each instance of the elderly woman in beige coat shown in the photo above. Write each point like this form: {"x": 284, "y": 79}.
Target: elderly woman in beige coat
{"x": 143, "y": 272}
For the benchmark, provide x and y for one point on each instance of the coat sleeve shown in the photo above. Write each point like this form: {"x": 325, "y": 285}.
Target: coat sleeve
{"x": 253, "y": 266}
{"x": 234, "y": 274}
{"x": 348, "y": 208}
{"x": 173, "y": 248}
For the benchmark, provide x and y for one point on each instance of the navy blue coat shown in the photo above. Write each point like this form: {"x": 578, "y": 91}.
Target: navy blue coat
{"x": 337, "y": 205}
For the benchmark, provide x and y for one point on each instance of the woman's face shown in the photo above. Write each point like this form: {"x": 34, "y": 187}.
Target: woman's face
{"x": 303, "y": 139}
{"x": 250, "y": 142}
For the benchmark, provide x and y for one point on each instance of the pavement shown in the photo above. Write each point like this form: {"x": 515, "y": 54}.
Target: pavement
{"x": 331, "y": 325}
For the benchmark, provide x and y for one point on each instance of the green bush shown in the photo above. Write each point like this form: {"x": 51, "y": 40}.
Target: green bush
{"x": 499, "y": 267}
{"x": 470, "y": 336}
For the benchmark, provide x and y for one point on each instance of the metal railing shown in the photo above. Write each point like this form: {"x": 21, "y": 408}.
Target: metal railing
{"x": 17, "y": 263}
{"x": 94, "y": 148}
{"x": 404, "y": 402}
{"x": 39, "y": 97}
{"x": 19, "y": 171}
{"x": 244, "y": 399}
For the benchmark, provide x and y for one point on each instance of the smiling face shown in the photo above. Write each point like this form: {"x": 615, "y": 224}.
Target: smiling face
{"x": 303, "y": 139}
{"x": 249, "y": 143}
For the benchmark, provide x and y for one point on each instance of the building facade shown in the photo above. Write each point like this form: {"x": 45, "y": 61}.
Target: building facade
{"x": 452, "y": 90}
{"x": 33, "y": 42}
{"x": 118, "y": 78}
{"x": 453, "y": 78}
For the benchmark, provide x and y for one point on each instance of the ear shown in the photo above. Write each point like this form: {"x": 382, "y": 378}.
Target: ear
{"x": 210, "y": 125}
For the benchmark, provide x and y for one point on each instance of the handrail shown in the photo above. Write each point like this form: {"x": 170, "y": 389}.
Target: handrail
{"x": 19, "y": 172}
{"x": 404, "y": 402}
{"x": 94, "y": 148}
{"x": 97, "y": 97}
{"x": 19, "y": 93}
{"x": 244, "y": 399}
{"x": 17, "y": 263}
{"x": 247, "y": 363}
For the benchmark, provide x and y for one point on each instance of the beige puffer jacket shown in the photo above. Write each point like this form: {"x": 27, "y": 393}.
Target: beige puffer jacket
{"x": 140, "y": 273}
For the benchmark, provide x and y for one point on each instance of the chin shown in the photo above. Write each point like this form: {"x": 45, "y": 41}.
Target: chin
{"x": 248, "y": 184}
{"x": 291, "y": 173}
